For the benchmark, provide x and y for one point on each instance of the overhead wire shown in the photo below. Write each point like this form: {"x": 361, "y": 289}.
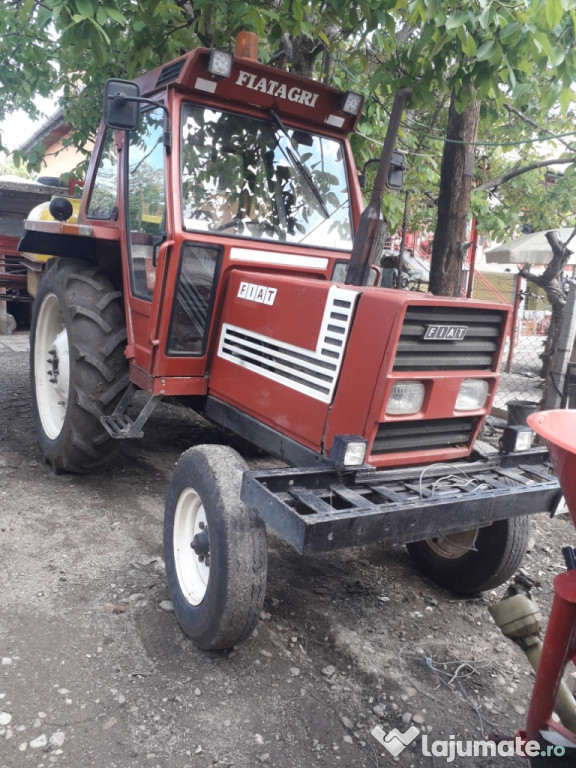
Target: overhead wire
{"x": 410, "y": 127}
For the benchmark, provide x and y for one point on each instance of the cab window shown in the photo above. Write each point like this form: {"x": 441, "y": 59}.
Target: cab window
{"x": 102, "y": 203}
{"x": 146, "y": 209}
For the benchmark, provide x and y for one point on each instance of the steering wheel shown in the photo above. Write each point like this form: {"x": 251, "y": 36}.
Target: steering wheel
{"x": 228, "y": 225}
{"x": 201, "y": 215}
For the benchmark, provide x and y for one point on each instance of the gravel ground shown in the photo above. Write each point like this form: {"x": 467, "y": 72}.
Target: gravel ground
{"x": 95, "y": 671}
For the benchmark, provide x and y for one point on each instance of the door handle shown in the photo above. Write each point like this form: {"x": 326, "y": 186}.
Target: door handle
{"x": 155, "y": 246}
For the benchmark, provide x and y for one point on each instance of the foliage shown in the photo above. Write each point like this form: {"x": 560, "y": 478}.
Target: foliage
{"x": 540, "y": 199}
{"x": 521, "y": 54}
{"x": 9, "y": 168}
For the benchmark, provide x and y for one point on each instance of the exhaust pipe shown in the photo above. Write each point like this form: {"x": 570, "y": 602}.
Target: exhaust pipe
{"x": 367, "y": 234}
{"x": 519, "y": 619}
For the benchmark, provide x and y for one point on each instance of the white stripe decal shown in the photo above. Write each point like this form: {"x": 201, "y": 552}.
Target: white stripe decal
{"x": 278, "y": 259}
{"x": 311, "y": 372}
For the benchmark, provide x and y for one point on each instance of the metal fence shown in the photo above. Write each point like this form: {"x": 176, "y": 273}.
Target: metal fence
{"x": 521, "y": 381}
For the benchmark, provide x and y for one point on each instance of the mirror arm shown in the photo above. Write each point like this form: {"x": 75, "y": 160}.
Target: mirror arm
{"x": 120, "y": 98}
{"x": 362, "y": 176}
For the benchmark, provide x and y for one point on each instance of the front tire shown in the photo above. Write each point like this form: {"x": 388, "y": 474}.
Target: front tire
{"x": 214, "y": 548}
{"x": 77, "y": 365}
{"x": 476, "y": 560}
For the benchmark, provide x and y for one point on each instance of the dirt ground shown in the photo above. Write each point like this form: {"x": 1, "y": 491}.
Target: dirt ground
{"x": 95, "y": 671}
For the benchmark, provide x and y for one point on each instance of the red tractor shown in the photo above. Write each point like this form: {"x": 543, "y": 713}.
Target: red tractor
{"x": 221, "y": 253}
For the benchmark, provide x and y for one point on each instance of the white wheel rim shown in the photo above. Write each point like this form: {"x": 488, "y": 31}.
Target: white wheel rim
{"x": 51, "y": 366}
{"x": 454, "y": 546}
{"x": 192, "y": 570}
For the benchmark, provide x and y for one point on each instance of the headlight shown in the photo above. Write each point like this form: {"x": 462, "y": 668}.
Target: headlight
{"x": 472, "y": 395}
{"x": 351, "y": 103}
{"x": 348, "y": 450}
{"x": 516, "y": 438}
{"x": 220, "y": 63}
{"x": 405, "y": 397}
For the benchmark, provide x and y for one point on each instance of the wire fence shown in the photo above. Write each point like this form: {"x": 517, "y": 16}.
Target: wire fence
{"x": 521, "y": 384}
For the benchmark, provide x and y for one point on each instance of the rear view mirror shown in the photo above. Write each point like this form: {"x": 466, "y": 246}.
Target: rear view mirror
{"x": 121, "y": 104}
{"x": 396, "y": 172}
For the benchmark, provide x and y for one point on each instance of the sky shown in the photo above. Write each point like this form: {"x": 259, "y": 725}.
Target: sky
{"x": 17, "y": 128}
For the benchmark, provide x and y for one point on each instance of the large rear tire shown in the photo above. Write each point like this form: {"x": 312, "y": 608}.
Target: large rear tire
{"x": 77, "y": 365}
{"x": 476, "y": 560}
{"x": 214, "y": 548}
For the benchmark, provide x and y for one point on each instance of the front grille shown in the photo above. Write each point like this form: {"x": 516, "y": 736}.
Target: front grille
{"x": 397, "y": 436}
{"x": 476, "y": 351}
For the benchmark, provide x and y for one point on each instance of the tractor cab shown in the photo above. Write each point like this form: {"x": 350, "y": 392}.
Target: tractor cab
{"x": 220, "y": 163}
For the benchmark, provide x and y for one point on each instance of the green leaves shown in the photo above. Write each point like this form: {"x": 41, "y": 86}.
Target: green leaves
{"x": 566, "y": 98}
{"x": 103, "y": 14}
{"x": 85, "y": 8}
{"x": 116, "y": 15}
{"x": 456, "y": 20}
{"x": 554, "y": 12}
{"x": 468, "y": 43}
{"x": 519, "y": 53}
{"x": 489, "y": 50}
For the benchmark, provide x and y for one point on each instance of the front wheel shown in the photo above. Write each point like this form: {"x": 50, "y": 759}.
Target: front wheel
{"x": 476, "y": 560}
{"x": 214, "y": 548}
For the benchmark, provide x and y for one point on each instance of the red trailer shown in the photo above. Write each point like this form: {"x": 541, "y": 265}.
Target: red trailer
{"x": 17, "y": 198}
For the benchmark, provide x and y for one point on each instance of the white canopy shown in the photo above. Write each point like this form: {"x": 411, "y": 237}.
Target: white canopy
{"x": 530, "y": 249}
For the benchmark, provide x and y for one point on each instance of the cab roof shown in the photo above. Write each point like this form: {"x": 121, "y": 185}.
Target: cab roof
{"x": 254, "y": 84}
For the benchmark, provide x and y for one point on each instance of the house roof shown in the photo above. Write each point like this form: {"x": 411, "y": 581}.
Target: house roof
{"x": 52, "y": 130}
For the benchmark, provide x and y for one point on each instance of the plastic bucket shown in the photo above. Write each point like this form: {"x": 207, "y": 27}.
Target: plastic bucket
{"x": 519, "y": 410}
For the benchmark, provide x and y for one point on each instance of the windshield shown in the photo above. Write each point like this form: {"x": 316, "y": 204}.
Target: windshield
{"x": 261, "y": 180}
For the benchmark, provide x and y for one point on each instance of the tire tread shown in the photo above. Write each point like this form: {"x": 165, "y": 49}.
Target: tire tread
{"x": 94, "y": 317}
{"x": 500, "y": 550}
{"x": 232, "y": 605}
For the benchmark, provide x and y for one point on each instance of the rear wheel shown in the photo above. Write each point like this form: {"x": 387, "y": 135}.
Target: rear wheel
{"x": 214, "y": 548}
{"x": 476, "y": 560}
{"x": 77, "y": 365}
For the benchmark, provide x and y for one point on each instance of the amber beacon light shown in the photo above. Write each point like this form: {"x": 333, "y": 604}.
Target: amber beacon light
{"x": 247, "y": 46}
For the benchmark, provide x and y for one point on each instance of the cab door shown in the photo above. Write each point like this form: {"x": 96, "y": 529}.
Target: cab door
{"x": 146, "y": 237}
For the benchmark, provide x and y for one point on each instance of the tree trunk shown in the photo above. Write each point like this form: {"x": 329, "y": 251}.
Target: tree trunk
{"x": 559, "y": 371}
{"x": 305, "y": 51}
{"x": 551, "y": 281}
{"x": 456, "y": 175}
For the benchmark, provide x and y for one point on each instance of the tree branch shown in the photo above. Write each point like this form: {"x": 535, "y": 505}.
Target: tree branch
{"x": 513, "y": 111}
{"x": 550, "y": 279}
{"x": 499, "y": 180}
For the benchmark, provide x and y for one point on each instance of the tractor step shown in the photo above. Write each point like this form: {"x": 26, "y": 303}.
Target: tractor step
{"x": 120, "y": 425}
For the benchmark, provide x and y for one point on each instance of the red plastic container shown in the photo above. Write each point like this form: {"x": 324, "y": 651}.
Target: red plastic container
{"x": 558, "y": 428}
